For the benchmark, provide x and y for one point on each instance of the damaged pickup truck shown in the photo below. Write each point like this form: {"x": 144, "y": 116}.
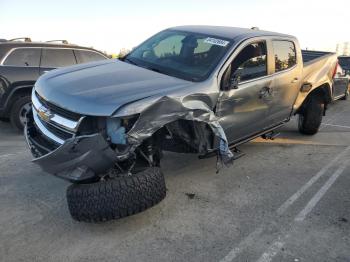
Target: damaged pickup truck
{"x": 193, "y": 89}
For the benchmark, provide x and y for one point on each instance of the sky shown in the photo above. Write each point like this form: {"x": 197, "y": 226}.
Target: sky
{"x": 111, "y": 25}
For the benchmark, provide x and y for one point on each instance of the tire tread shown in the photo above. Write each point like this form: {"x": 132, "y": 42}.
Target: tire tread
{"x": 116, "y": 198}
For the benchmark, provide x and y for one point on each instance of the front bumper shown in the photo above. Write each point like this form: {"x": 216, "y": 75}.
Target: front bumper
{"x": 77, "y": 159}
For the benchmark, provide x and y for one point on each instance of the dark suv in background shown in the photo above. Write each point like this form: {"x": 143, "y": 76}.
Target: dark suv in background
{"x": 21, "y": 64}
{"x": 344, "y": 62}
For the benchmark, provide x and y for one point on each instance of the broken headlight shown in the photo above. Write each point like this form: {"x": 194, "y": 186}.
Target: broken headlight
{"x": 117, "y": 128}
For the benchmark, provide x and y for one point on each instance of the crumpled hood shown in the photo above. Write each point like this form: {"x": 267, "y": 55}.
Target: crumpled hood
{"x": 100, "y": 88}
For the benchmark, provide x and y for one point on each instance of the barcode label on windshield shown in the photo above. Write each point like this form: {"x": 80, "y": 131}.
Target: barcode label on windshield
{"x": 215, "y": 41}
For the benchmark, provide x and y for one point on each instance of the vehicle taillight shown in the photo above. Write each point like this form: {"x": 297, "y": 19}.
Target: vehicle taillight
{"x": 335, "y": 69}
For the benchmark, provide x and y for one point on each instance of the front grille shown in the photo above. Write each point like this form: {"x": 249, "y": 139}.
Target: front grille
{"x": 38, "y": 143}
{"x": 58, "y": 110}
{"x": 60, "y": 124}
{"x": 57, "y": 131}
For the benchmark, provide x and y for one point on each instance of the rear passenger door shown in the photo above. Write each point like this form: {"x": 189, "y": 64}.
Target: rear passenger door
{"x": 287, "y": 70}
{"x": 52, "y": 58}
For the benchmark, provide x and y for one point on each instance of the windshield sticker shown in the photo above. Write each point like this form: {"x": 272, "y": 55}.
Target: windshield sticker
{"x": 215, "y": 41}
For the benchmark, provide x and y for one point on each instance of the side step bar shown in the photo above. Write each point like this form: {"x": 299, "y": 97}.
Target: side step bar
{"x": 237, "y": 153}
{"x": 233, "y": 146}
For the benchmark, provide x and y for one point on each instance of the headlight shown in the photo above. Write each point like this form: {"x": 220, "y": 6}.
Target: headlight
{"x": 115, "y": 131}
{"x": 118, "y": 127}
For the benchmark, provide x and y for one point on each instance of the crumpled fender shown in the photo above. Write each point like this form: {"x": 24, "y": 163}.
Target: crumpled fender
{"x": 166, "y": 110}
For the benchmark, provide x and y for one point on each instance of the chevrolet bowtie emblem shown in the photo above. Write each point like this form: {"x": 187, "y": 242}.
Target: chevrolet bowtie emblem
{"x": 45, "y": 114}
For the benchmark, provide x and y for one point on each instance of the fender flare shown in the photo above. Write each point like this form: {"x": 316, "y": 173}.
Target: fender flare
{"x": 324, "y": 91}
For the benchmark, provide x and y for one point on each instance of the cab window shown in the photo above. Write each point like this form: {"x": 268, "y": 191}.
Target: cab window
{"x": 249, "y": 64}
{"x": 285, "y": 55}
{"x": 53, "y": 58}
{"x": 23, "y": 57}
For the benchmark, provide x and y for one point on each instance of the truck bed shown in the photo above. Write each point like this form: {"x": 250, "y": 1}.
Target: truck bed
{"x": 318, "y": 66}
{"x": 312, "y": 55}
{"x": 317, "y": 71}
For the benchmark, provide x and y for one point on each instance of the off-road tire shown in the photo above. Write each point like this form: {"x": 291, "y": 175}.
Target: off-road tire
{"x": 15, "y": 111}
{"x": 116, "y": 198}
{"x": 310, "y": 118}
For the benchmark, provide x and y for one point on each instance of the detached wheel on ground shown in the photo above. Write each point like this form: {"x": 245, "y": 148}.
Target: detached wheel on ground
{"x": 310, "y": 118}
{"x": 116, "y": 198}
{"x": 19, "y": 110}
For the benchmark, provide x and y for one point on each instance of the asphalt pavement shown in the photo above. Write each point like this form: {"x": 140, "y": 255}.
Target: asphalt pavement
{"x": 285, "y": 200}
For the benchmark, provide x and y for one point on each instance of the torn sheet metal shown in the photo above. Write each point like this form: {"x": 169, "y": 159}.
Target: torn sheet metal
{"x": 167, "y": 110}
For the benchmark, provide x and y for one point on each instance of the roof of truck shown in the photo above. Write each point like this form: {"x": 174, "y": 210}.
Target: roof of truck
{"x": 233, "y": 33}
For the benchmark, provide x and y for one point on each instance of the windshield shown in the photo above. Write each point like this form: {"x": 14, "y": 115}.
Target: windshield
{"x": 344, "y": 62}
{"x": 185, "y": 55}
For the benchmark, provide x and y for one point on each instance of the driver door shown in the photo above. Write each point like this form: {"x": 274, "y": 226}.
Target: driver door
{"x": 245, "y": 95}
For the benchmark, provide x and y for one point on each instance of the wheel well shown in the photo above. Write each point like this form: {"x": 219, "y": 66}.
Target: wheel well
{"x": 185, "y": 136}
{"x": 19, "y": 92}
{"x": 322, "y": 92}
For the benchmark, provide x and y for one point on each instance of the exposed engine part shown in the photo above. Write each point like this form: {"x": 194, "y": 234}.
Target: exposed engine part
{"x": 116, "y": 131}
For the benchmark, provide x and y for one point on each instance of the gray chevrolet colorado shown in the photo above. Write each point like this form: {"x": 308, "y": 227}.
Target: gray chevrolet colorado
{"x": 191, "y": 89}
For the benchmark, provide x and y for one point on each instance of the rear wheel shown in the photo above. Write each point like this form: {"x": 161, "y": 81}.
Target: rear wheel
{"x": 310, "y": 118}
{"x": 19, "y": 110}
{"x": 116, "y": 197}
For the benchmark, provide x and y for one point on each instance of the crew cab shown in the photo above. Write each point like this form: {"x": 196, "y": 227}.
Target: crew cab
{"x": 193, "y": 89}
{"x": 21, "y": 64}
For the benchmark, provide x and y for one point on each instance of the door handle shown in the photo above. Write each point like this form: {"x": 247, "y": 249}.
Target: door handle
{"x": 295, "y": 80}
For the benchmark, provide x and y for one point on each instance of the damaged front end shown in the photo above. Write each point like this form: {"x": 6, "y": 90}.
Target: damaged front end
{"x": 83, "y": 148}
{"x": 71, "y": 146}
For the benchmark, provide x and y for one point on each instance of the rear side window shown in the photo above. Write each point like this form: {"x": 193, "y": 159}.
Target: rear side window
{"x": 23, "y": 57}
{"x": 86, "y": 56}
{"x": 285, "y": 55}
{"x": 53, "y": 58}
